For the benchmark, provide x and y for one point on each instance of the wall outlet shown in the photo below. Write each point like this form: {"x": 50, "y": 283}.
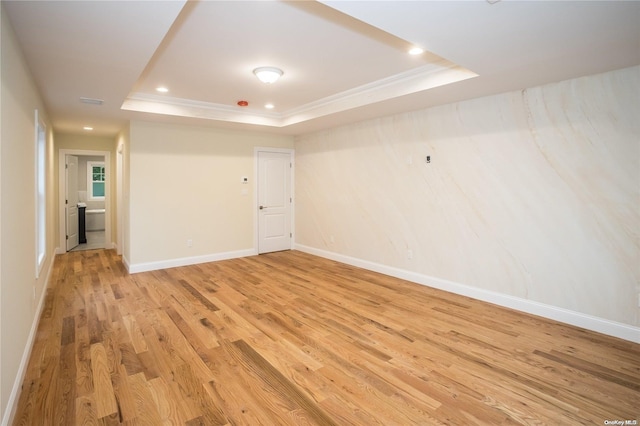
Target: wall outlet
{"x": 409, "y": 254}
{"x": 189, "y": 242}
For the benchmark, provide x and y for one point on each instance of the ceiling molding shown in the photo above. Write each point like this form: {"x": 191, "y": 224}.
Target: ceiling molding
{"x": 412, "y": 81}
{"x": 157, "y": 104}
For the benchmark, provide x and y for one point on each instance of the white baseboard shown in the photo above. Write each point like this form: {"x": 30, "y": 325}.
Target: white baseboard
{"x": 184, "y": 261}
{"x": 12, "y": 403}
{"x": 589, "y": 322}
{"x": 126, "y": 263}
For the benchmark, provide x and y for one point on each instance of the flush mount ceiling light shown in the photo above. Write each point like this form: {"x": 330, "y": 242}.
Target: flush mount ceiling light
{"x": 87, "y": 128}
{"x": 268, "y": 74}
{"x": 416, "y": 51}
{"x": 162, "y": 89}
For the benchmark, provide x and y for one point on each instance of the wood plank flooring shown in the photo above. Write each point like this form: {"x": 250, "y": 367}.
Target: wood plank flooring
{"x": 292, "y": 339}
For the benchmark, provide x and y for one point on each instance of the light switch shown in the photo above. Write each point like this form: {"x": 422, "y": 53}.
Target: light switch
{"x": 245, "y": 179}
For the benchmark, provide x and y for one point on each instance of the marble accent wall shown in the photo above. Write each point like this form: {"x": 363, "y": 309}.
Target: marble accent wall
{"x": 533, "y": 194}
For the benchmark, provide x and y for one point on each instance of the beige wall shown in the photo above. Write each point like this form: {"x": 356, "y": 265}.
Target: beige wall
{"x": 20, "y": 291}
{"x": 122, "y": 194}
{"x": 185, "y": 183}
{"x": 86, "y": 142}
{"x": 532, "y": 194}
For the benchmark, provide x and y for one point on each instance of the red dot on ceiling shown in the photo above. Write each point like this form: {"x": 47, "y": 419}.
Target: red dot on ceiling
{"x": 243, "y": 103}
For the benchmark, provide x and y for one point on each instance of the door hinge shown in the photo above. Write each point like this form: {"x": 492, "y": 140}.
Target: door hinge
{"x": 290, "y": 235}
{"x": 290, "y": 165}
{"x": 67, "y": 237}
{"x": 290, "y": 200}
{"x": 66, "y": 201}
{"x": 66, "y": 166}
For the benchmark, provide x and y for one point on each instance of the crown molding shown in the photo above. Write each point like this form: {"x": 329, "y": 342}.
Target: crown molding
{"x": 412, "y": 81}
{"x": 157, "y": 104}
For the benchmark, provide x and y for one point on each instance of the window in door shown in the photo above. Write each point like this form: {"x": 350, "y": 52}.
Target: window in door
{"x": 95, "y": 180}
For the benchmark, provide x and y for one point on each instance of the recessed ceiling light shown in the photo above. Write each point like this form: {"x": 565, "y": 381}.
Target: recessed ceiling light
{"x": 269, "y": 106}
{"x": 88, "y": 128}
{"x": 268, "y": 74}
{"x": 162, "y": 89}
{"x": 416, "y": 51}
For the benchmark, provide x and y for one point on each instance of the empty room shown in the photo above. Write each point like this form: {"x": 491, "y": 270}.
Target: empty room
{"x": 320, "y": 212}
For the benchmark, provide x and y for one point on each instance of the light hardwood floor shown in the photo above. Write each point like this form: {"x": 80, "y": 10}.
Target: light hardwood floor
{"x": 289, "y": 338}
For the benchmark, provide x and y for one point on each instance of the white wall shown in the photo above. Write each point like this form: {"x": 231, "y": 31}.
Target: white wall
{"x": 532, "y": 194}
{"x": 122, "y": 191}
{"x": 125, "y": 211}
{"x": 185, "y": 184}
{"x": 20, "y": 292}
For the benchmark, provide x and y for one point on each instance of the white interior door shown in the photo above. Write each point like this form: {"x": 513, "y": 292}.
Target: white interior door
{"x": 274, "y": 201}
{"x": 71, "y": 200}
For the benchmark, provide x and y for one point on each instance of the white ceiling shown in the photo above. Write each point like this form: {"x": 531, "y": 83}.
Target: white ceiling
{"x": 343, "y": 61}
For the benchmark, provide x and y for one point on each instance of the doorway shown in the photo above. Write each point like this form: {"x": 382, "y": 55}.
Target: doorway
{"x": 274, "y": 199}
{"x": 84, "y": 199}
{"x": 71, "y": 204}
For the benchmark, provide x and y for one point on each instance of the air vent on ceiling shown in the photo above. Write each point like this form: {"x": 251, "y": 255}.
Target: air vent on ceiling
{"x": 91, "y": 101}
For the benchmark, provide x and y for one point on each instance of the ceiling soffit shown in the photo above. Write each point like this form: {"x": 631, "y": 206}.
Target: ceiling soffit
{"x": 332, "y": 63}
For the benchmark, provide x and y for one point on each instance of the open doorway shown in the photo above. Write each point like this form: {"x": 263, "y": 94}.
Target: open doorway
{"x": 84, "y": 201}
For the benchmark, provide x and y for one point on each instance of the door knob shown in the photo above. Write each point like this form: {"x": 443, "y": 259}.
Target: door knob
{"x": 261, "y": 207}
